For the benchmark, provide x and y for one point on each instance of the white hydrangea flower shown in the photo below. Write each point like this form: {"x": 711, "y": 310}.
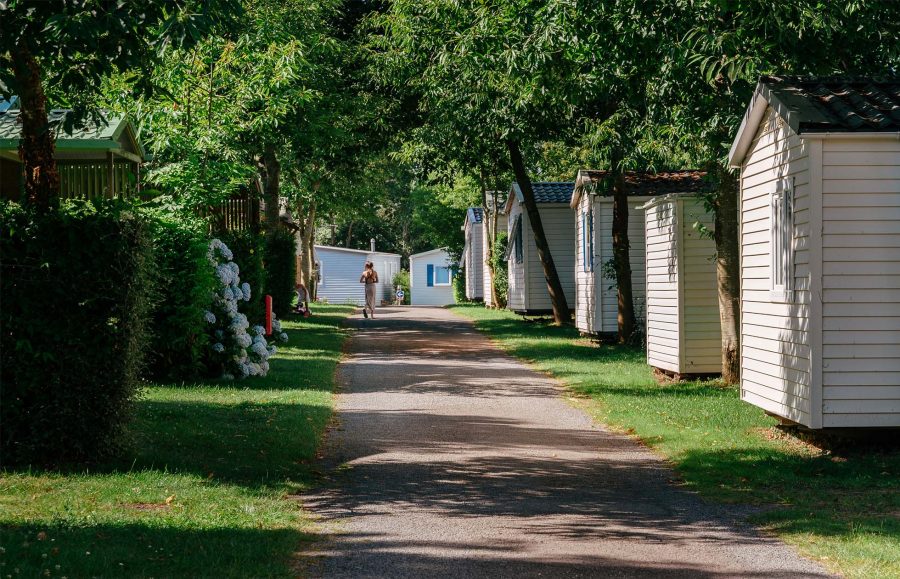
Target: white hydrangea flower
{"x": 265, "y": 367}
{"x": 243, "y": 340}
{"x": 276, "y": 325}
{"x": 272, "y": 350}
{"x": 259, "y": 330}
{"x": 245, "y": 289}
{"x": 260, "y": 350}
{"x": 237, "y": 293}
{"x": 218, "y": 347}
{"x": 209, "y": 317}
{"x": 283, "y": 337}
{"x": 255, "y": 370}
{"x": 244, "y": 369}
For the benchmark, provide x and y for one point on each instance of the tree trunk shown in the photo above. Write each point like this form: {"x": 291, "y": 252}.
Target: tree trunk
{"x": 307, "y": 253}
{"x": 271, "y": 172}
{"x": 557, "y": 296}
{"x": 37, "y": 144}
{"x": 349, "y": 234}
{"x": 727, "y": 273}
{"x": 622, "y": 259}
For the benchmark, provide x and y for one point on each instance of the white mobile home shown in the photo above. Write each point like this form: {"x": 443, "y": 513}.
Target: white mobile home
{"x": 819, "y": 201}
{"x": 486, "y": 275}
{"x": 339, "y": 269}
{"x": 431, "y": 278}
{"x": 473, "y": 253}
{"x": 527, "y": 285}
{"x": 597, "y": 301}
{"x": 684, "y": 333}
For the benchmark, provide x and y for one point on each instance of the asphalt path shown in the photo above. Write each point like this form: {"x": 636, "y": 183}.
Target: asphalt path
{"x": 449, "y": 458}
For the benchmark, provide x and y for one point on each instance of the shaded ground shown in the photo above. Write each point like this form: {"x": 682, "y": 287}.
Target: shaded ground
{"x": 453, "y": 459}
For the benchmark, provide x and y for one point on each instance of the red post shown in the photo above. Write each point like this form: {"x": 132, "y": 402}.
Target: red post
{"x": 268, "y": 315}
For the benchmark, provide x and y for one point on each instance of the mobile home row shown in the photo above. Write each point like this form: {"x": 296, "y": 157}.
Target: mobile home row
{"x": 819, "y": 236}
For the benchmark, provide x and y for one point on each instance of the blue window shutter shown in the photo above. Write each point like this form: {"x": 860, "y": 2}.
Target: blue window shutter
{"x": 430, "y": 281}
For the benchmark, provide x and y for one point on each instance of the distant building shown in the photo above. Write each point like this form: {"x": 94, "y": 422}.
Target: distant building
{"x": 472, "y": 259}
{"x": 339, "y": 270}
{"x": 431, "y": 278}
{"x": 527, "y": 284}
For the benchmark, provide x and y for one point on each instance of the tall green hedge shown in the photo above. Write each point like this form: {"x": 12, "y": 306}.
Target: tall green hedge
{"x": 280, "y": 263}
{"x": 459, "y": 285}
{"x": 501, "y": 270}
{"x": 75, "y": 289}
{"x": 185, "y": 282}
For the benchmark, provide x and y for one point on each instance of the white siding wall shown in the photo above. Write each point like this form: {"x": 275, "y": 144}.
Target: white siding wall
{"x": 701, "y": 330}
{"x": 341, "y": 270}
{"x": 473, "y": 261}
{"x": 486, "y": 277}
{"x": 586, "y": 306}
{"x": 422, "y": 294}
{"x": 340, "y": 276}
{"x": 557, "y": 221}
{"x": 861, "y": 282}
{"x": 663, "y": 296}
{"x": 775, "y": 345}
{"x": 516, "y": 300}
{"x": 609, "y": 299}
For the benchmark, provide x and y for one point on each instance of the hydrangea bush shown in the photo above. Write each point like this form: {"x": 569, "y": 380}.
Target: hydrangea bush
{"x": 236, "y": 349}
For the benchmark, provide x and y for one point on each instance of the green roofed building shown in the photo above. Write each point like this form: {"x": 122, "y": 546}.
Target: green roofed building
{"x": 96, "y": 159}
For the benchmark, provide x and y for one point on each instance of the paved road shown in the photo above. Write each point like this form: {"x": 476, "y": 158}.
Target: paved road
{"x": 459, "y": 461}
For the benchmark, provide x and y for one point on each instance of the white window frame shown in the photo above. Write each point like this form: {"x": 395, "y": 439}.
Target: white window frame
{"x": 449, "y": 275}
{"x": 781, "y": 248}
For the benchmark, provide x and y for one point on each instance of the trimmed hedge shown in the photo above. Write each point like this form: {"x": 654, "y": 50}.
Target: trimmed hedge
{"x": 75, "y": 310}
{"x": 280, "y": 263}
{"x": 185, "y": 283}
{"x": 459, "y": 285}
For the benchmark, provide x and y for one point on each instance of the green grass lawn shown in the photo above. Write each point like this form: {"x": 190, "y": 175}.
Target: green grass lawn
{"x": 841, "y": 507}
{"x": 204, "y": 490}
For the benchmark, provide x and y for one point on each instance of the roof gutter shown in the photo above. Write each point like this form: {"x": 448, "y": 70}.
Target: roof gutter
{"x": 852, "y": 136}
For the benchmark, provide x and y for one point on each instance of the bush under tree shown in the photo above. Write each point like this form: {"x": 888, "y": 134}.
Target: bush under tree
{"x": 280, "y": 263}
{"x": 401, "y": 280}
{"x": 247, "y": 250}
{"x": 459, "y": 285}
{"x": 76, "y": 285}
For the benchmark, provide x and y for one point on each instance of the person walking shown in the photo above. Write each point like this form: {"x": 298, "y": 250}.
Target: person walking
{"x": 370, "y": 278}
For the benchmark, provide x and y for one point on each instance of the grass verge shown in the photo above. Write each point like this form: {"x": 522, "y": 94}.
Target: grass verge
{"x": 841, "y": 508}
{"x": 205, "y": 490}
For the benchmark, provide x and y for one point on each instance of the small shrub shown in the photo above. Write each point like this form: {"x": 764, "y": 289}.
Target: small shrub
{"x": 280, "y": 263}
{"x": 501, "y": 271}
{"x": 76, "y": 287}
{"x": 401, "y": 280}
{"x": 459, "y": 286}
{"x": 247, "y": 249}
{"x": 185, "y": 283}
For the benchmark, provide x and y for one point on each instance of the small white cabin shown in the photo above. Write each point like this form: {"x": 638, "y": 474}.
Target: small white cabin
{"x": 473, "y": 253}
{"x": 485, "y": 256}
{"x": 597, "y": 299}
{"x": 527, "y": 285}
{"x": 339, "y": 269}
{"x": 684, "y": 334}
{"x": 819, "y": 164}
{"x": 431, "y": 278}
